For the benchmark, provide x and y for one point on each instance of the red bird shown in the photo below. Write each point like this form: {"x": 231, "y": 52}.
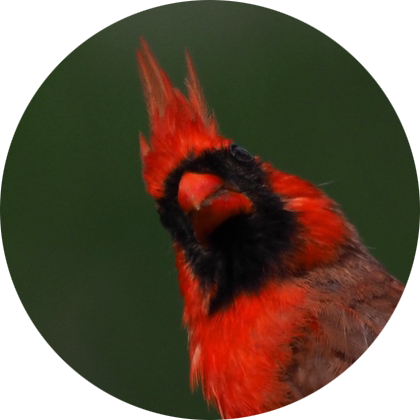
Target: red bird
{"x": 280, "y": 295}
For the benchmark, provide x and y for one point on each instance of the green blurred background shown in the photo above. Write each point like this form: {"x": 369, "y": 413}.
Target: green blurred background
{"x": 93, "y": 267}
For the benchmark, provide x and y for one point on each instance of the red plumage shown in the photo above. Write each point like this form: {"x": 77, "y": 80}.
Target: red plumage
{"x": 280, "y": 296}
{"x": 176, "y": 122}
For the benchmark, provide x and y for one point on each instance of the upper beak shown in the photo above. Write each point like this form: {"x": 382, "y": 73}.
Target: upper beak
{"x": 194, "y": 188}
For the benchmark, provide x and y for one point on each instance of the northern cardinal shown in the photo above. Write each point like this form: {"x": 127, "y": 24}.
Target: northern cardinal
{"x": 280, "y": 295}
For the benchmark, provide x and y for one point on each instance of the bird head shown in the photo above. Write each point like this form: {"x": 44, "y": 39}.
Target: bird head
{"x": 236, "y": 219}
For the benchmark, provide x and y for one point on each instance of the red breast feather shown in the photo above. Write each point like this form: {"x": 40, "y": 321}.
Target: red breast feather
{"x": 280, "y": 296}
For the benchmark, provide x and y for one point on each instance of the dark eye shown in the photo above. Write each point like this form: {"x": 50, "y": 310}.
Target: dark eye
{"x": 239, "y": 153}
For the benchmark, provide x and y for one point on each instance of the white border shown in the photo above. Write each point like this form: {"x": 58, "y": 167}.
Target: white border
{"x": 36, "y": 36}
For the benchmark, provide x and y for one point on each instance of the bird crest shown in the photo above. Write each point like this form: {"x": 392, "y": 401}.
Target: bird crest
{"x": 180, "y": 126}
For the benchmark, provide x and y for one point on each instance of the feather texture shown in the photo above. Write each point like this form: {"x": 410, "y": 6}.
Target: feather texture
{"x": 180, "y": 127}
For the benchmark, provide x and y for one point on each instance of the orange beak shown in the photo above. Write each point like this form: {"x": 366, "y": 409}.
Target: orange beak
{"x": 209, "y": 202}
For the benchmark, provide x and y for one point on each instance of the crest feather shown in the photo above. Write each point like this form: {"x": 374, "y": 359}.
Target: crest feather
{"x": 195, "y": 92}
{"x": 156, "y": 85}
{"x": 144, "y": 147}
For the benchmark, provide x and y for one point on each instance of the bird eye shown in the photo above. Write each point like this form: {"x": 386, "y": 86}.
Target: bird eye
{"x": 240, "y": 153}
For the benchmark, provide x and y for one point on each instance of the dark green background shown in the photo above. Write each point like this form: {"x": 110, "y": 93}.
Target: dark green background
{"x": 93, "y": 267}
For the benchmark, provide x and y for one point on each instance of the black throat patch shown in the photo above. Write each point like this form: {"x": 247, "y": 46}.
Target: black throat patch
{"x": 245, "y": 248}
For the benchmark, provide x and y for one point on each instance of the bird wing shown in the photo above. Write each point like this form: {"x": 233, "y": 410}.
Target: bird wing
{"x": 346, "y": 316}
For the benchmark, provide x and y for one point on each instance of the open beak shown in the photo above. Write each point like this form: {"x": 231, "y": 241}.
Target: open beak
{"x": 209, "y": 202}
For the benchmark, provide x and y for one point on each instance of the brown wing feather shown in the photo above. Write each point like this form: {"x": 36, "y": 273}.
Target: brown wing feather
{"x": 355, "y": 302}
